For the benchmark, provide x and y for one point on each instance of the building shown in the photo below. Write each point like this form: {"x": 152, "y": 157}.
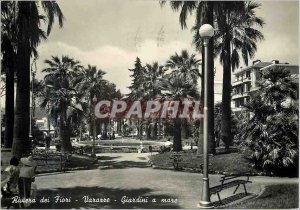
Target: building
{"x": 245, "y": 82}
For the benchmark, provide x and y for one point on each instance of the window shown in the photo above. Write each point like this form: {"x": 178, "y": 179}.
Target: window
{"x": 248, "y": 87}
{"x": 248, "y": 74}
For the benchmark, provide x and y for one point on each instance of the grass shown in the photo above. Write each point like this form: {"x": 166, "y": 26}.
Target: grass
{"x": 280, "y": 196}
{"x": 231, "y": 162}
{"x": 75, "y": 162}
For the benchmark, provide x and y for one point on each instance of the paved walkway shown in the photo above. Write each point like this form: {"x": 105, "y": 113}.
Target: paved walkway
{"x": 127, "y": 175}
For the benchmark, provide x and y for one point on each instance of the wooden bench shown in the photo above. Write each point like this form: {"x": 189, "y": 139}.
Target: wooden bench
{"x": 228, "y": 181}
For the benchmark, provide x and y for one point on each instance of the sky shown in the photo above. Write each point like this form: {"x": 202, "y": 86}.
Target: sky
{"x": 110, "y": 34}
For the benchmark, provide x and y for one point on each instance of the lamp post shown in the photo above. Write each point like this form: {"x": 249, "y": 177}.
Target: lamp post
{"x": 94, "y": 129}
{"x": 206, "y": 32}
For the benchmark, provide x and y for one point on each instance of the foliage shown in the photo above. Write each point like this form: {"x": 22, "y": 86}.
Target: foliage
{"x": 137, "y": 79}
{"x": 175, "y": 88}
{"x": 152, "y": 75}
{"x": 270, "y": 134}
{"x": 228, "y": 162}
{"x": 236, "y": 33}
{"x": 218, "y": 123}
{"x": 64, "y": 102}
{"x": 185, "y": 66}
{"x": 24, "y": 32}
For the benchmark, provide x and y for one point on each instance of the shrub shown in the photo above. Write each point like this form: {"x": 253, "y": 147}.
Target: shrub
{"x": 270, "y": 134}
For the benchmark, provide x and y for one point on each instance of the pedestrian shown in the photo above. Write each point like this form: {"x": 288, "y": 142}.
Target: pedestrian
{"x": 13, "y": 173}
{"x": 27, "y": 176}
{"x": 48, "y": 140}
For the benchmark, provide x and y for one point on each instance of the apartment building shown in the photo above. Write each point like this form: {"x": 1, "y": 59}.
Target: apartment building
{"x": 245, "y": 81}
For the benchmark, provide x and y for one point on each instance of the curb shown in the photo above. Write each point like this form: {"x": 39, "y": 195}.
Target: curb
{"x": 262, "y": 191}
{"x": 196, "y": 170}
{"x": 255, "y": 196}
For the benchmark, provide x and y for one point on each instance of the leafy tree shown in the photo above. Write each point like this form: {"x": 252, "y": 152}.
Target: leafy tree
{"x": 186, "y": 67}
{"x": 204, "y": 12}
{"x": 177, "y": 89}
{"x": 152, "y": 74}
{"x": 135, "y": 88}
{"x": 8, "y": 60}
{"x": 278, "y": 85}
{"x": 60, "y": 93}
{"x": 270, "y": 134}
{"x": 218, "y": 123}
{"x": 150, "y": 88}
{"x": 91, "y": 83}
{"x": 235, "y": 32}
{"x": 137, "y": 79}
{"x": 27, "y": 19}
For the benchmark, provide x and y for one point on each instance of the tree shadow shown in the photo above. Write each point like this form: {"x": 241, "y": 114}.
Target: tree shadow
{"x": 54, "y": 173}
{"x": 115, "y": 196}
{"x": 230, "y": 199}
{"x": 100, "y": 158}
{"x": 121, "y": 165}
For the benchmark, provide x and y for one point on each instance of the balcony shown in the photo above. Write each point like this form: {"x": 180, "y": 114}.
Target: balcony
{"x": 239, "y": 95}
{"x": 238, "y": 82}
{"x": 247, "y": 79}
{"x": 241, "y": 81}
{"x": 237, "y": 109}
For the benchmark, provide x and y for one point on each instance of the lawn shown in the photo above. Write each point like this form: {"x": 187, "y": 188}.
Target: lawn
{"x": 280, "y": 196}
{"x": 231, "y": 162}
{"x": 53, "y": 164}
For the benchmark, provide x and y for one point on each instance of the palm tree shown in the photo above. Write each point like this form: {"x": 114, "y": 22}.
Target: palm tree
{"x": 108, "y": 92}
{"x": 29, "y": 34}
{"x": 150, "y": 89}
{"x": 270, "y": 135}
{"x": 8, "y": 58}
{"x": 151, "y": 76}
{"x": 91, "y": 83}
{"x": 61, "y": 95}
{"x": 277, "y": 85}
{"x": 204, "y": 13}
{"x": 235, "y": 33}
{"x": 186, "y": 67}
{"x": 176, "y": 89}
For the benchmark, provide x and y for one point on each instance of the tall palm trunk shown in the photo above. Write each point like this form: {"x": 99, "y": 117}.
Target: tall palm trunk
{"x": 184, "y": 130}
{"x": 200, "y": 137}
{"x": 104, "y": 134}
{"x": 9, "y": 96}
{"x": 154, "y": 129}
{"x": 210, "y": 84}
{"x": 177, "y": 145}
{"x": 148, "y": 129}
{"x": 21, "y": 141}
{"x": 226, "y": 98}
{"x": 64, "y": 133}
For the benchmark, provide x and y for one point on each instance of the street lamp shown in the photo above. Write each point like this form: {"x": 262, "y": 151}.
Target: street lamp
{"x": 206, "y": 32}
{"x": 94, "y": 129}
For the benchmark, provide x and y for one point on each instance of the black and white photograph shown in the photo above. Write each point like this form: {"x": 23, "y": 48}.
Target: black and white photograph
{"x": 149, "y": 104}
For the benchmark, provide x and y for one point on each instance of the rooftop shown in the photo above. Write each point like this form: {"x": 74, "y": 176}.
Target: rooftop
{"x": 256, "y": 65}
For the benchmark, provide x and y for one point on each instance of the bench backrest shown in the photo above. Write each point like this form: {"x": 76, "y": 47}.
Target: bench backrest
{"x": 225, "y": 178}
